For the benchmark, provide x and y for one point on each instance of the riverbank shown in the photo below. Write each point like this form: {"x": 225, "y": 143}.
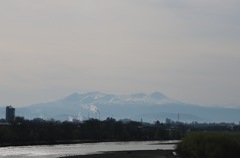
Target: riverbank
{"x": 63, "y": 142}
{"x": 129, "y": 154}
{"x": 54, "y": 151}
{"x": 57, "y": 142}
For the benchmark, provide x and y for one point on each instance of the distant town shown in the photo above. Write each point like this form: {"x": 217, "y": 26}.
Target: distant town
{"x": 18, "y": 131}
{"x": 11, "y": 118}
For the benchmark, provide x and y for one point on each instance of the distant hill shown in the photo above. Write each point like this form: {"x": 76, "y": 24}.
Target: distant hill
{"x": 148, "y": 107}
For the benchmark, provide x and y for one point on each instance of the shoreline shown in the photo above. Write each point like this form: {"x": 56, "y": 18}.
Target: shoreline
{"x": 59, "y": 142}
{"x": 48, "y": 143}
{"x": 128, "y": 154}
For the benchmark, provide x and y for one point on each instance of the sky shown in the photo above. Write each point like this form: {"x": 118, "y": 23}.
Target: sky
{"x": 187, "y": 49}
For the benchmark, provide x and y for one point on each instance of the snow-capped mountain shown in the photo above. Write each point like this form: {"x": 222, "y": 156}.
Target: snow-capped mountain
{"x": 102, "y": 98}
{"x": 149, "y": 107}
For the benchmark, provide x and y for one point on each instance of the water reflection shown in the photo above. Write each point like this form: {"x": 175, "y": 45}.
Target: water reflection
{"x": 53, "y": 151}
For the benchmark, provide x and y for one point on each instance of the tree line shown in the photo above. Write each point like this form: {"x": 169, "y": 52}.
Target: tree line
{"x": 39, "y": 131}
{"x": 210, "y": 145}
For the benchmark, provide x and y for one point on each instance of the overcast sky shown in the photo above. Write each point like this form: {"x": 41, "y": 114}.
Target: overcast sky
{"x": 187, "y": 49}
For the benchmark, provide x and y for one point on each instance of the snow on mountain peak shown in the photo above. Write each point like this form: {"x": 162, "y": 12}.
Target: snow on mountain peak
{"x": 102, "y": 98}
{"x": 157, "y": 96}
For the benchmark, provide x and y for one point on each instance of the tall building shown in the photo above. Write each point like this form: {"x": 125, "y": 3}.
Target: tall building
{"x": 10, "y": 113}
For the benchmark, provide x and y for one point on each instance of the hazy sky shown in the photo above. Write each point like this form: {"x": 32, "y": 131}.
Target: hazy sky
{"x": 187, "y": 49}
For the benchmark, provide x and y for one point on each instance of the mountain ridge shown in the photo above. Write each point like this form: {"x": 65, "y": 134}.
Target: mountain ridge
{"x": 149, "y": 107}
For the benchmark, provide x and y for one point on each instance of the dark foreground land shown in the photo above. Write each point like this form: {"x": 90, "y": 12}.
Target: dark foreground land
{"x": 210, "y": 145}
{"x": 130, "y": 154}
{"x": 38, "y": 131}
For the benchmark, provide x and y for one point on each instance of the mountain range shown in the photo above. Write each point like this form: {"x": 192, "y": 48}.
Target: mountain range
{"x": 138, "y": 106}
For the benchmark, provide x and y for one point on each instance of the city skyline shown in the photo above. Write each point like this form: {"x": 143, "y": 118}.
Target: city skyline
{"x": 185, "y": 49}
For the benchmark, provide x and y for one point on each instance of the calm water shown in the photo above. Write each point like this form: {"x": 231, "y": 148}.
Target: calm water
{"x": 53, "y": 151}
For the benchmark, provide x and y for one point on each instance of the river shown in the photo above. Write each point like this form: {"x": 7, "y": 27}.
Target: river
{"x": 54, "y": 151}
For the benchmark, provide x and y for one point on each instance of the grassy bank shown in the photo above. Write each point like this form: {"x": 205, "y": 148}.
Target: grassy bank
{"x": 210, "y": 145}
